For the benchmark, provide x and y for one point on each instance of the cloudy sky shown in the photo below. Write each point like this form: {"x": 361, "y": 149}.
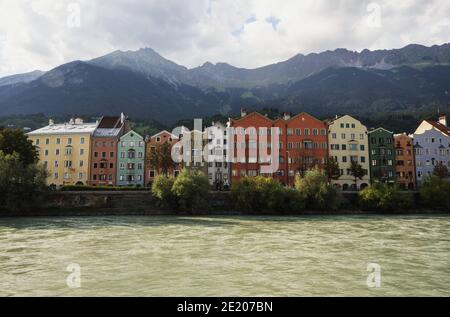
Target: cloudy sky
{"x": 41, "y": 34}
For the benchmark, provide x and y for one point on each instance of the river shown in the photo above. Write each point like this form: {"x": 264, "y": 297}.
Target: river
{"x": 225, "y": 256}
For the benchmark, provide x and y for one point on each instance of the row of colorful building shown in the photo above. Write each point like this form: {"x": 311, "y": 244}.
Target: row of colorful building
{"x": 110, "y": 153}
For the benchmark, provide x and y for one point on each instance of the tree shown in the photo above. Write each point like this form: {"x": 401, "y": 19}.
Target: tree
{"x": 332, "y": 169}
{"x": 382, "y": 197}
{"x": 440, "y": 170}
{"x": 259, "y": 194}
{"x": 318, "y": 192}
{"x": 22, "y": 187}
{"x": 162, "y": 189}
{"x": 191, "y": 189}
{"x": 161, "y": 158}
{"x": 435, "y": 193}
{"x": 357, "y": 171}
{"x": 15, "y": 141}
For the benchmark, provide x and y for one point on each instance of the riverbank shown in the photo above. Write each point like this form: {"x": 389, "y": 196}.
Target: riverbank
{"x": 142, "y": 203}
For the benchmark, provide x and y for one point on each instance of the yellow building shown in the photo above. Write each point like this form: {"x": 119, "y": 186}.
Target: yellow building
{"x": 65, "y": 150}
{"x": 348, "y": 141}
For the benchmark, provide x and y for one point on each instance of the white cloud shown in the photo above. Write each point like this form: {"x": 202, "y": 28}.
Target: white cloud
{"x": 34, "y": 34}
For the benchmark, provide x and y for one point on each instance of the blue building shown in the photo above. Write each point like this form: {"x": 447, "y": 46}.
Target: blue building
{"x": 432, "y": 146}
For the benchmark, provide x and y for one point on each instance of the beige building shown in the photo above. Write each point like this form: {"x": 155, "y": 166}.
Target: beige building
{"x": 65, "y": 149}
{"x": 347, "y": 142}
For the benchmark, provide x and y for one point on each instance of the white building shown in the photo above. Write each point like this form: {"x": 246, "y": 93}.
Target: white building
{"x": 218, "y": 165}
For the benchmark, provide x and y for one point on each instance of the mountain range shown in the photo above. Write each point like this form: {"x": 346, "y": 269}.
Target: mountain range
{"x": 144, "y": 84}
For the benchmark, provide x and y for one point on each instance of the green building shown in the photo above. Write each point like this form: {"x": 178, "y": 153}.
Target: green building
{"x": 382, "y": 156}
{"x": 130, "y": 160}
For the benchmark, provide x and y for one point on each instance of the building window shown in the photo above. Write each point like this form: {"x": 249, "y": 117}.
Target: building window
{"x": 58, "y": 141}
{"x": 82, "y": 141}
{"x": 95, "y": 154}
{"x": 47, "y": 141}
{"x": 80, "y": 175}
{"x": 69, "y": 141}
{"x": 81, "y": 163}
{"x": 111, "y": 154}
{"x": 37, "y": 141}
{"x": 57, "y": 152}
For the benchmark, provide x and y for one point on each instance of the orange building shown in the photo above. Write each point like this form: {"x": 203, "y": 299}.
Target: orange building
{"x": 103, "y": 156}
{"x": 303, "y": 144}
{"x": 151, "y": 143}
{"x": 405, "y": 165}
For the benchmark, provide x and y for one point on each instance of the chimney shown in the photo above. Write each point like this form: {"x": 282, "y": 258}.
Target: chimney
{"x": 51, "y": 122}
{"x": 286, "y": 116}
{"x": 443, "y": 119}
{"x": 122, "y": 118}
{"x": 78, "y": 121}
{"x": 243, "y": 112}
{"x": 71, "y": 121}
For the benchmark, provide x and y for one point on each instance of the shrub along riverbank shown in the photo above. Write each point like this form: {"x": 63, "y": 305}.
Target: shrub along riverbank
{"x": 312, "y": 192}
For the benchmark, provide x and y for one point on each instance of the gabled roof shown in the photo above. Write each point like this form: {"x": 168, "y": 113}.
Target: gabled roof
{"x": 129, "y": 132}
{"x": 440, "y": 127}
{"x": 252, "y": 114}
{"x": 306, "y": 114}
{"x": 380, "y": 128}
{"x": 173, "y": 136}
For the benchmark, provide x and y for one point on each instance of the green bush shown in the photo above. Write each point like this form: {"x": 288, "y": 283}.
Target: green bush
{"x": 22, "y": 186}
{"x": 383, "y": 197}
{"x": 317, "y": 190}
{"x": 162, "y": 189}
{"x": 435, "y": 193}
{"x": 191, "y": 189}
{"x": 265, "y": 194}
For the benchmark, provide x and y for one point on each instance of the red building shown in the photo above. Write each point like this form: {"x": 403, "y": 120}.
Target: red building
{"x": 303, "y": 144}
{"x": 151, "y": 144}
{"x": 103, "y": 159}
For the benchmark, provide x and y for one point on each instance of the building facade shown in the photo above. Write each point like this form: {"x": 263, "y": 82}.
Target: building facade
{"x": 64, "y": 149}
{"x": 404, "y": 161}
{"x": 382, "y": 156}
{"x": 431, "y": 146}
{"x": 103, "y": 158}
{"x": 130, "y": 160}
{"x": 152, "y": 143}
{"x": 348, "y": 141}
{"x": 302, "y": 144}
{"x": 194, "y": 144}
{"x": 218, "y": 165}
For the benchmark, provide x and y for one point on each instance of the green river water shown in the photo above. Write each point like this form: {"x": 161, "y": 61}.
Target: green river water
{"x": 225, "y": 256}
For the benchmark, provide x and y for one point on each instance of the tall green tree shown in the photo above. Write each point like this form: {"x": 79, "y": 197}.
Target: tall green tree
{"x": 318, "y": 192}
{"x": 357, "y": 171}
{"x": 15, "y": 141}
{"x": 161, "y": 158}
{"x": 22, "y": 187}
{"x": 441, "y": 171}
{"x": 332, "y": 170}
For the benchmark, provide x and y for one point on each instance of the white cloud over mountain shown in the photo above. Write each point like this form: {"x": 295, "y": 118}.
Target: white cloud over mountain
{"x": 41, "y": 34}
